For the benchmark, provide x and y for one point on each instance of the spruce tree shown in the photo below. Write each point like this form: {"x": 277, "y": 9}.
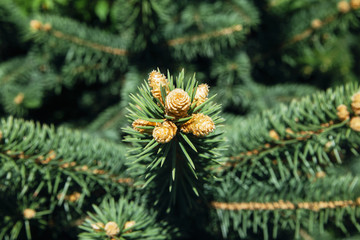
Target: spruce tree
{"x": 152, "y": 119}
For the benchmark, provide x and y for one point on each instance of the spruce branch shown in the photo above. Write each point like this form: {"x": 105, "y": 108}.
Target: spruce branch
{"x": 172, "y": 122}
{"x": 23, "y": 82}
{"x": 341, "y": 11}
{"x": 307, "y": 135}
{"x": 48, "y": 28}
{"x": 53, "y": 172}
{"x": 205, "y": 36}
{"x": 258, "y": 207}
{"x": 206, "y": 29}
{"x": 89, "y": 54}
{"x": 124, "y": 219}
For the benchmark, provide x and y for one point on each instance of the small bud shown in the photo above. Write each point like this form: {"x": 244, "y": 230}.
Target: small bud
{"x": 47, "y": 27}
{"x": 343, "y": 6}
{"x": 111, "y": 229}
{"x": 201, "y": 94}
{"x": 177, "y": 103}
{"x": 98, "y": 171}
{"x": 141, "y": 123}
{"x": 65, "y": 165}
{"x": 289, "y": 132}
{"x": 328, "y": 145}
{"x": 274, "y": 135}
{"x": 355, "y": 124}
{"x": 320, "y": 174}
{"x": 129, "y": 224}
{"x": 98, "y": 226}
{"x": 355, "y": 105}
{"x": 29, "y": 213}
{"x": 84, "y": 168}
{"x": 316, "y": 23}
{"x": 156, "y": 80}
{"x": 200, "y": 125}
{"x": 35, "y": 24}
{"x": 19, "y": 98}
{"x": 1, "y": 135}
{"x": 74, "y": 196}
{"x": 355, "y": 4}
{"x": 165, "y": 132}
{"x": 342, "y": 112}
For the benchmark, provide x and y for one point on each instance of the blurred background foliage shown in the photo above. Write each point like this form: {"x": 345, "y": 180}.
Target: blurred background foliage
{"x": 92, "y": 12}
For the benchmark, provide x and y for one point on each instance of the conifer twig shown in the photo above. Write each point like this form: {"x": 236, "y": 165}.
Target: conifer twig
{"x": 44, "y": 160}
{"x": 297, "y": 38}
{"x": 39, "y": 26}
{"x": 299, "y": 136}
{"x": 204, "y": 36}
{"x": 284, "y": 205}
{"x": 96, "y": 46}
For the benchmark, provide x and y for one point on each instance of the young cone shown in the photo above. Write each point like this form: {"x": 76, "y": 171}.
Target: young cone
{"x": 342, "y": 112}
{"x": 201, "y": 94}
{"x": 165, "y": 132}
{"x": 156, "y": 80}
{"x": 355, "y": 105}
{"x": 200, "y": 125}
{"x": 177, "y": 103}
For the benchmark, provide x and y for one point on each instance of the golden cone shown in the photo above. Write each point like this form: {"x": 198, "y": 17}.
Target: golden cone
{"x": 140, "y": 123}
{"x": 201, "y": 94}
{"x": 35, "y": 24}
{"x": 274, "y": 135}
{"x": 355, "y": 124}
{"x": 343, "y": 6}
{"x": 320, "y": 174}
{"x": 29, "y": 213}
{"x": 177, "y": 103}
{"x": 129, "y": 224}
{"x": 165, "y": 132}
{"x": 355, "y": 105}
{"x": 98, "y": 226}
{"x": 342, "y": 112}
{"x": 316, "y": 23}
{"x": 19, "y": 98}
{"x": 111, "y": 229}
{"x": 200, "y": 125}
{"x": 156, "y": 80}
{"x": 355, "y": 4}
{"x": 47, "y": 27}
{"x": 74, "y": 196}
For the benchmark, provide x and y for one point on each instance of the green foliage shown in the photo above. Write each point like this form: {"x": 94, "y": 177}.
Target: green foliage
{"x": 291, "y": 167}
{"x": 82, "y": 9}
{"x": 20, "y": 87}
{"x": 145, "y": 225}
{"x": 207, "y": 28}
{"x": 11, "y": 31}
{"x": 269, "y": 223}
{"x": 142, "y": 18}
{"x": 43, "y": 167}
{"x": 78, "y": 64}
{"x": 84, "y": 52}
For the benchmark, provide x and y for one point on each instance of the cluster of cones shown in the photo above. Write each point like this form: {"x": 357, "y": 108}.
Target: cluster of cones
{"x": 345, "y": 6}
{"x": 111, "y": 228}
{"x": 343, "y": 114}
{"x": 177, "y": 105}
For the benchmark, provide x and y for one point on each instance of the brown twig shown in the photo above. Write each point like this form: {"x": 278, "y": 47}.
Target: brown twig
{"x": 284, "y": 205}
{"x": 204, "y": 36}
